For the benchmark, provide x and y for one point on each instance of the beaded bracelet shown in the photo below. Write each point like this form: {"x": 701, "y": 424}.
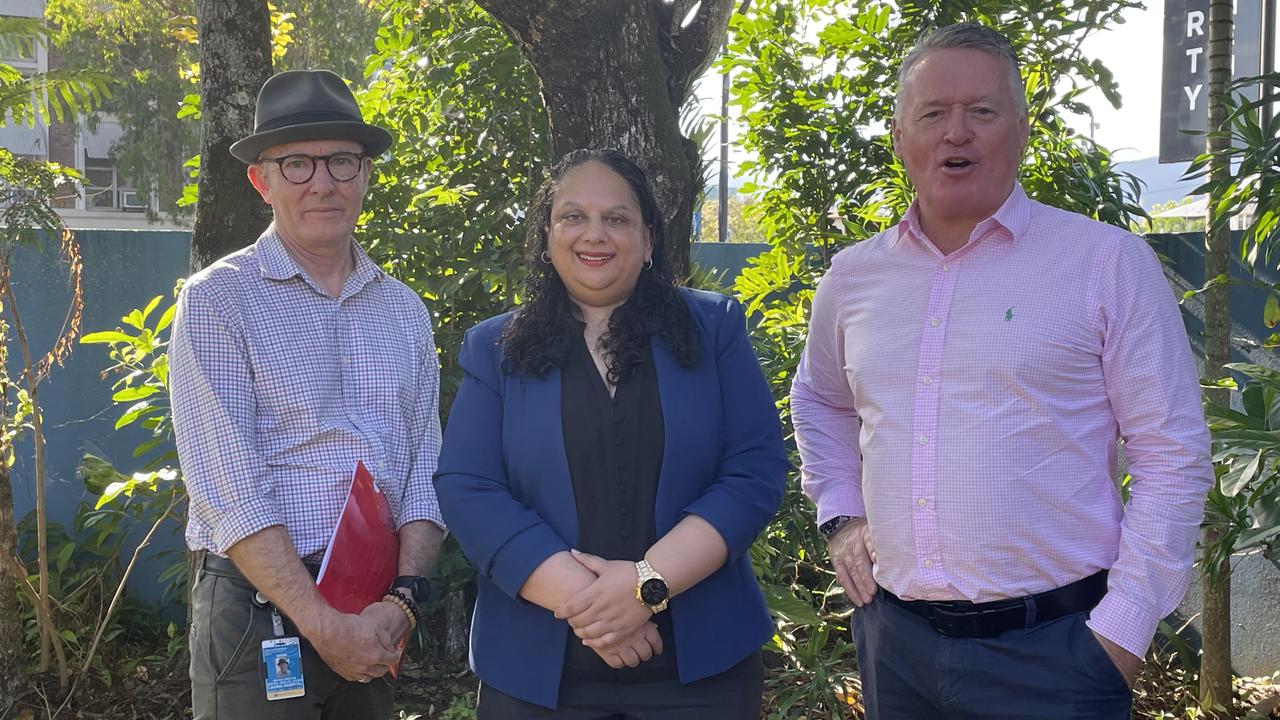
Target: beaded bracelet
{"x": 400, "y": 600}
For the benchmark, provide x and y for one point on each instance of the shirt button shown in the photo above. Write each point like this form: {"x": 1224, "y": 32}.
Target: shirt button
{"x": 946, "y": 267}
{"x": 927, "y": 379}
{"x": 922, "y": 502}
{"x": 344, "y": 359}
{"x": 928, "y": 563}
{"x": 924, "y": 440}
{"x": 935, "y": 322}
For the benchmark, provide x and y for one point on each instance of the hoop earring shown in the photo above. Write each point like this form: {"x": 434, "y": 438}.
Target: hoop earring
{"x": 648, "y": 264}
{"x": 546, "y": 257}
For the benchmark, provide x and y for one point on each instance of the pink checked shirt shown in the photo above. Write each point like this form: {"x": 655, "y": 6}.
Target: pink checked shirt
{"x": 969, "y": 405}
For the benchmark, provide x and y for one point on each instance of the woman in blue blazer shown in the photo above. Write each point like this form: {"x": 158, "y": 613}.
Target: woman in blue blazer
{"x": 610, "y": 456}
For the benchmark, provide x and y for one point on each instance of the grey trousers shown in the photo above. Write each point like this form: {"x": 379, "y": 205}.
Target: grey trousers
{"x": 227, "y": 681}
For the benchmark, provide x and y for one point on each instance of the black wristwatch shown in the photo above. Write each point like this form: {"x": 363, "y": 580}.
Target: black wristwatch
{"x": 419, "y": 587}
{"x": 651, "y": 587}
{"x": 832, "y": 526}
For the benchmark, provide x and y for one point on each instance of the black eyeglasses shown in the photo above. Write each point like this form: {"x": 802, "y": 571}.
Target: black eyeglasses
{"x": 298, "y": 169}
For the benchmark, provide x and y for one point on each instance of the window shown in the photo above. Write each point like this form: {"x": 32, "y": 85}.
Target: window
{"x": 104, "y": 189}
{"x": 100, "y": 188}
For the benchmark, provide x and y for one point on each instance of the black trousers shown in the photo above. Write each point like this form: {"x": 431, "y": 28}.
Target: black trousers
{"x": 732, "y": 695}
{"x": 1053, "y": 671}
{"x": 227, "y": 680}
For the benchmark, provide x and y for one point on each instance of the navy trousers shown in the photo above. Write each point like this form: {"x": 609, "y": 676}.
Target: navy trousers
{"x": 1054, "y": 671}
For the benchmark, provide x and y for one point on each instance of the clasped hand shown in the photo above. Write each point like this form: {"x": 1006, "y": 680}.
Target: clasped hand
{"x": 608, "y": 617}
{"x": 362, "y": 646}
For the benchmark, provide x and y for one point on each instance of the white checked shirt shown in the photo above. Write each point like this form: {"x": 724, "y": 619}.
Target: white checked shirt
{"x": 278, "y": 389}
{"x": 969, "y": 405}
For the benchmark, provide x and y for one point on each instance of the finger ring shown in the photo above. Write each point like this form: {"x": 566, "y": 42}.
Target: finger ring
{"x": 365, "y": 678}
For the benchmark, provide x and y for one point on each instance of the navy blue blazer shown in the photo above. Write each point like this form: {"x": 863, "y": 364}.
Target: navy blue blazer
{"x": 506, "y": 495}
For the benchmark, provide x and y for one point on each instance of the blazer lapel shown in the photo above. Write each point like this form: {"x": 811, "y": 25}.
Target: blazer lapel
{"x": 539, "y": 465}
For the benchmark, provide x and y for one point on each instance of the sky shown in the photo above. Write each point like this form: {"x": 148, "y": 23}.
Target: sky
{"x": 1132, "y": 51}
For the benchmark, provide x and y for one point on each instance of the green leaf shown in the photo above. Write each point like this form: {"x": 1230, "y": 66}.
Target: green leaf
{"x": 134, "y": 393}
{"x": 107, "y": 336}
{"x": 1241, "y": 475}
{"x": 783, "y": 603}
{"x": 134, "y": 412}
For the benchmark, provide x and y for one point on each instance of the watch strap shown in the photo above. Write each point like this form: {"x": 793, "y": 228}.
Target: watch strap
{"x": 832, "y": 526}
{"x": 419, "y": 587}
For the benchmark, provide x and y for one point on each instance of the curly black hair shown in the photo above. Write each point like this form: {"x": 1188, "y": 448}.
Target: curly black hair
{"x": 541, "y": 334}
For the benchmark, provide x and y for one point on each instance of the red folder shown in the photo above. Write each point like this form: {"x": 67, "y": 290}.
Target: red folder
{"x": 363, "y": 556}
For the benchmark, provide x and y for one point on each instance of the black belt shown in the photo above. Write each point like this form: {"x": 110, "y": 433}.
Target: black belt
{"x": 960, "y": 618}
{"x": 222, "y": 567}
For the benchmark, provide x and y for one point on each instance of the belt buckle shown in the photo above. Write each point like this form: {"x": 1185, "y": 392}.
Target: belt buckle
{"x": 949, "y": 620}
{"x": 955, "y": 620}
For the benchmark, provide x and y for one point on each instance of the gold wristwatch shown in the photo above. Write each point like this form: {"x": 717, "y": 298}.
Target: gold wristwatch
{"x": 651, "y": 588}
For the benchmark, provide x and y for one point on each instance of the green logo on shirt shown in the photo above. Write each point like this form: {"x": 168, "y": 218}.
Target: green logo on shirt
{"x": 1008, "y": 315}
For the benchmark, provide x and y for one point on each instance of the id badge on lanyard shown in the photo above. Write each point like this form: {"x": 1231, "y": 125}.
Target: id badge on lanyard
{"x": 281, "y": 660}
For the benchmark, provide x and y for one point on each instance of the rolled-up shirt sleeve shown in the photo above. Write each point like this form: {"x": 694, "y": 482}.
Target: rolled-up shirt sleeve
{"x": 419, "y": 499}
{"x": 823, "y": 409}
{"x": 1153, "y": 387}
{"x": 214, "y": 417}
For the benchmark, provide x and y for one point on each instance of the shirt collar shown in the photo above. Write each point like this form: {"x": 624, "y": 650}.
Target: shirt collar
{"x": 275, "y": 263}
{"x": 1013, "y": 215}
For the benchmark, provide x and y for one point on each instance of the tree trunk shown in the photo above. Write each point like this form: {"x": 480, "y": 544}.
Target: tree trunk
{"x": 235, "y": 60}
{"x": 1215, "y": 663}
{"x": 614, "y": 73}
{"x": 11, "y": 655}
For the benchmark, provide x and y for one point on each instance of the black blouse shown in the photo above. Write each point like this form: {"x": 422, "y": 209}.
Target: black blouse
{"x": 614, "y": 449}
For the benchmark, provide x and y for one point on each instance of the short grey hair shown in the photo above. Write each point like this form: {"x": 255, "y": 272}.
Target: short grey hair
{"x": 965, "y": 35}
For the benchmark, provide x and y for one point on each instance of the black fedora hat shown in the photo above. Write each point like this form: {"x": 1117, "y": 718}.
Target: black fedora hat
{"x": 307, "y": 105}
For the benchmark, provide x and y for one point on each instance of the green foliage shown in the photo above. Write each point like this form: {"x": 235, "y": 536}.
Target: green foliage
{"x": 333, "y": 34}
{"x": 139, "y": 357}
{"x": 1172, "y": 224}
{"x": 1245, "y": 500}
{"x": 1255, "y": 152}
{"x": 86, "y": 560}
{"x": 138, "y": 354}
{"x": 446, "y": 212}
{"x": 815, "y": 81}
{"x": 29, "y": 186}
{"x": 742, "y": 222}
{"x": 149, "y": 48}
{"x": 84, "y": 570}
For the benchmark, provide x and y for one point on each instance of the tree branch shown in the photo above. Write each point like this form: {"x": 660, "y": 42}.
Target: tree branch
{"x": 516, "y": 15}
{"x": 693, "y": 47}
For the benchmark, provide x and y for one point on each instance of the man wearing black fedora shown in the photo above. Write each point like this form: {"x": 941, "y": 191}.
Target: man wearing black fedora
{"x": 290, "y": 361}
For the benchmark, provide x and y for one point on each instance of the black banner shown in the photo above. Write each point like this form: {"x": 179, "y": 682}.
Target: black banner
{"x": 1185, "y": 90}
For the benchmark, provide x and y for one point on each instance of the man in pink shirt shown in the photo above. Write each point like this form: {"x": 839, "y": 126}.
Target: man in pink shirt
{"x": 967, "y": 376}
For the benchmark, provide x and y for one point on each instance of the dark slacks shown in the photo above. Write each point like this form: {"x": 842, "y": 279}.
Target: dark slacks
{"x": 1054, "y": 671}
{"x": 732, "y": 695}
{"x": 227, "y": 680}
